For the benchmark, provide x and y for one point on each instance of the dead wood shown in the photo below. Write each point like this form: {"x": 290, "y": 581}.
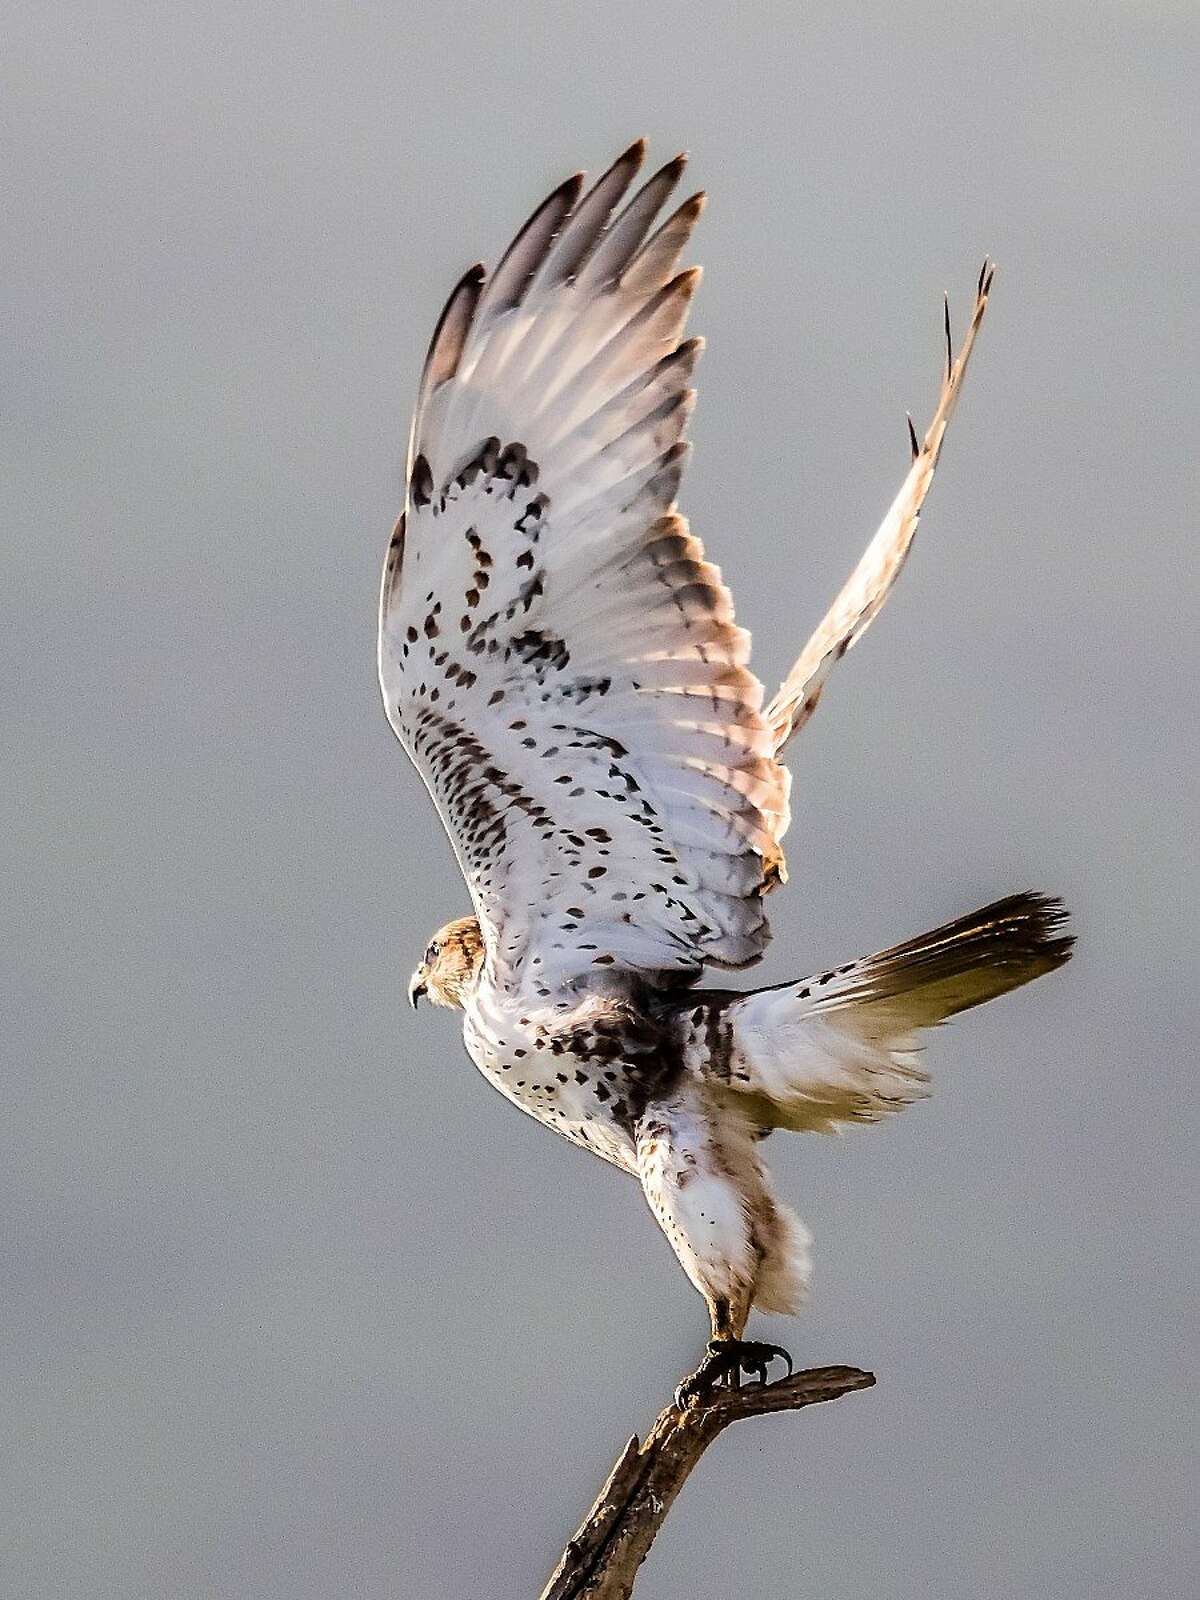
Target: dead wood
{"x": 602, "y": 1558}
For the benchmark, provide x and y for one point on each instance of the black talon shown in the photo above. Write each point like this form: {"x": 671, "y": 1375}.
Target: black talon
{"x": 727, "y": 1359}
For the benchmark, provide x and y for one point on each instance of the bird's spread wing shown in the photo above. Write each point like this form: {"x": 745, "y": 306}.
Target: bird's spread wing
{"x": 556, "y": 654}
{"x": 869, "y": 585}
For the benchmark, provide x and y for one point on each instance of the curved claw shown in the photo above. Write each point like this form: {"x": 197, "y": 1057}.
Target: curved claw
{"x": 728, "y": 1359}
{"x": 778, "y": 1353}
{"x": 756, "y": 1357}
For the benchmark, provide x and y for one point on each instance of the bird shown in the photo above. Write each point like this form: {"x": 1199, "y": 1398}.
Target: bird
{"x": 560, "y": 661}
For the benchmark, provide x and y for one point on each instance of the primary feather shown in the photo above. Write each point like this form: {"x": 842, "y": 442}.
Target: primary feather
{"x": 862, "y": 598}
{"x": 559, "y": 658}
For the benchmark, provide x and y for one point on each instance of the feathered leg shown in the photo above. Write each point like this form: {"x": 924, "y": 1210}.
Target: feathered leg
{"x": 707, "y": 1187}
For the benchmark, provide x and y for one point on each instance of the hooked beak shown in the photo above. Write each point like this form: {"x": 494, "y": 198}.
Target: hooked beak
{"x": 416, "y": 988}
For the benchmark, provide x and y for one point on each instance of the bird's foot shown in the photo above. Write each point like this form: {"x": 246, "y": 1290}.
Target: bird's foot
{"x": 728, "y": 1359}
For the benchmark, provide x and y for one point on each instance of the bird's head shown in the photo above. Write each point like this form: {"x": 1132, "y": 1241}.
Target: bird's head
{"x": 451, "y": 965}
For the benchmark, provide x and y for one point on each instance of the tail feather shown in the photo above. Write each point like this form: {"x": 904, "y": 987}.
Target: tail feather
{"x": 842, "y": 1047}
{"x": 962, "y": 964}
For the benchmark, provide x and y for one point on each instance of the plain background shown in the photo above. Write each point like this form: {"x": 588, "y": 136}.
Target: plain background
{"x": 293, "y": 1304}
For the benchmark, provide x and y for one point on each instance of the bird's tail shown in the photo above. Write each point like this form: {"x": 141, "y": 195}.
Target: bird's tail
{"x": 841, "y": 1047}
{"x": 957, "y": 966}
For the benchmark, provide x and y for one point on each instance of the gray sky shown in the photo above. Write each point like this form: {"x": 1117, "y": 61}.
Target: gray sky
{"x": 294, "y": 1305}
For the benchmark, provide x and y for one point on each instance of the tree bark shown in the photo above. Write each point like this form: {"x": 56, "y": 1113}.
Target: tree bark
{"x": 602, "y": 1558}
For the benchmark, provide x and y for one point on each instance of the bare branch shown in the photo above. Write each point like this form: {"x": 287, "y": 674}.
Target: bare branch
{"x": 602, "y": 1558}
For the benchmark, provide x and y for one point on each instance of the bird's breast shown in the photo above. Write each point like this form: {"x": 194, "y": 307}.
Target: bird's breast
{"x": 562, "y": 1069}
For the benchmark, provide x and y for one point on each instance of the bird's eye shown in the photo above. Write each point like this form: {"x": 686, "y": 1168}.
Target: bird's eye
{"x": 433, "y": 952}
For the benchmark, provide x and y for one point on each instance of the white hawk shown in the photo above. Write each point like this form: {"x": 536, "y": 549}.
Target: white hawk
{"x": 562, "y": 665}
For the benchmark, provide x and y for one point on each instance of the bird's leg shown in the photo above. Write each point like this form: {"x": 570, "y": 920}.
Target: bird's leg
{"x": 728, "y": 1355}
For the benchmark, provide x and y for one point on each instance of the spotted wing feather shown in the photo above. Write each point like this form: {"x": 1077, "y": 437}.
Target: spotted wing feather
{"x": 556, "y": 653}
